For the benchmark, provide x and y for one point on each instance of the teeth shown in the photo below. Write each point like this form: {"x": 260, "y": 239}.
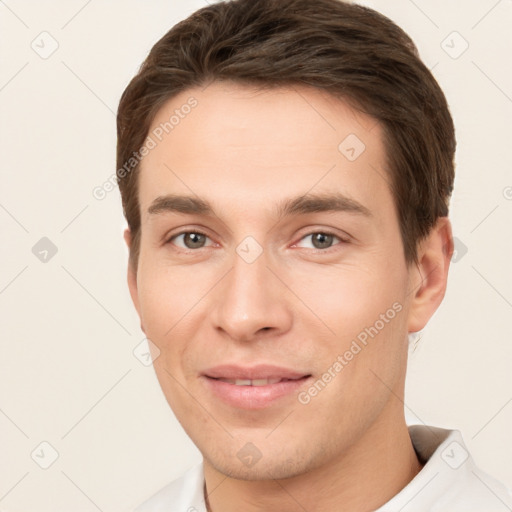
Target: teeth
{"x": 249, "y": 382}
{"x": 261, "y": 382}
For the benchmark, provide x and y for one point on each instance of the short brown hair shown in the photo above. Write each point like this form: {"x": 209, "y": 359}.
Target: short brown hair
{"x": 353, "y": 52}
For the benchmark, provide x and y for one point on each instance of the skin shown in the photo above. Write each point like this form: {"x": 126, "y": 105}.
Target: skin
{"x": 245, "y": 151}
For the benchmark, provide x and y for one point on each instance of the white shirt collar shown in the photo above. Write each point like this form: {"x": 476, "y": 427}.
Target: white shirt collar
{"x": 448, "y": 482}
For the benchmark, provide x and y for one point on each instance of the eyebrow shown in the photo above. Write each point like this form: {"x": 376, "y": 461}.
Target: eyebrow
{"x": 309, "y": 203}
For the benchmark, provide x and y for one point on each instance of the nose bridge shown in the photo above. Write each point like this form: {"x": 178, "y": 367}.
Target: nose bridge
{"x": 251, "y": 299}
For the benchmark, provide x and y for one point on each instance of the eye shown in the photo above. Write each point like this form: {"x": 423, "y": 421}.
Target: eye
{"x": 190, "y": 240}
{"x": 320, "y": 240}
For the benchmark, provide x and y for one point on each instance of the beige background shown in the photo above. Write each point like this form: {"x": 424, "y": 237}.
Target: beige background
{"x": 68, "y": 330}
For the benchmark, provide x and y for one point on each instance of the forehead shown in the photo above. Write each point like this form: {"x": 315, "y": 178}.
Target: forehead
{"x": 240, "y": 144}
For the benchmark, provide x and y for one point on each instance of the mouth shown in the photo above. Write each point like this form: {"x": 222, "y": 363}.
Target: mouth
{"x": 256, "y": 382}
{"x": 255, "y": 387}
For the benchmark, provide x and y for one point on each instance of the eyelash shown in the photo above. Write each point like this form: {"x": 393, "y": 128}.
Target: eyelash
{"x": 333, "y": 247}
{"x": 323, "y": 232}
{"x": 194, "y": 231}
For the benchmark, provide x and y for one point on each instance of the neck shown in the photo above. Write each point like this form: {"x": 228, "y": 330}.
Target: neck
{"x": 363, "y": 478}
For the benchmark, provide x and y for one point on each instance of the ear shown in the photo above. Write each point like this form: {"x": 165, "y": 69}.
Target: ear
{"x": 132, "y": 277}
{"x": 429, "y": 277}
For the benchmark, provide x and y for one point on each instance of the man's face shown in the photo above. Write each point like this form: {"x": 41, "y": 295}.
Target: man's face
{"x": 272, "y": 281}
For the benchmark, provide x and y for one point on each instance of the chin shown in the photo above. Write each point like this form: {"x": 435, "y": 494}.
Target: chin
{"x": 263, "y": 466}
{"x": 268, "y": 470}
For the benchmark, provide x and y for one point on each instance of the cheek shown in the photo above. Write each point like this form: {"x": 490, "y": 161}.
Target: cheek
{"x": 366, "y": 314}
{"x": 349, "y": 298}
{"x": 172, "y": 306}
{"x": 168, "y": 296}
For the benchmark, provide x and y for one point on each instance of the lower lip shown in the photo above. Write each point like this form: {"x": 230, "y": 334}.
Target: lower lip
{"x": 253, "y": 397}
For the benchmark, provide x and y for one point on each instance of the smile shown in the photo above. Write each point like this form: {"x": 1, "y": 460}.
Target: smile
{"x": 253, "y": 388}
{"x": 253, "y": 382}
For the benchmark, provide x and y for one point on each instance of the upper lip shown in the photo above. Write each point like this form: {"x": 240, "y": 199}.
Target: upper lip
{"x": 260, "y": 371}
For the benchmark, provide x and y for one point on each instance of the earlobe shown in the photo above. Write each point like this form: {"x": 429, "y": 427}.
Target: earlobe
{"x": 429, "y": 277}
{"x": 128, "y": 237}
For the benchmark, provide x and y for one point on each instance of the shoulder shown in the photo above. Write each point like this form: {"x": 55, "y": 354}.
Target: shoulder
{"x": 184, "y": 494}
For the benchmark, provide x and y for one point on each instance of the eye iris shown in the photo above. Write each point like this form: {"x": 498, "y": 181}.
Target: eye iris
{"x": 194, "y": 240}
{"x": 322, "y": 240}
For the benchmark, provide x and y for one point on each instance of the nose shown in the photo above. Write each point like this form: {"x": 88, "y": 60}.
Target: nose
{"x": 251, "y": 302}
